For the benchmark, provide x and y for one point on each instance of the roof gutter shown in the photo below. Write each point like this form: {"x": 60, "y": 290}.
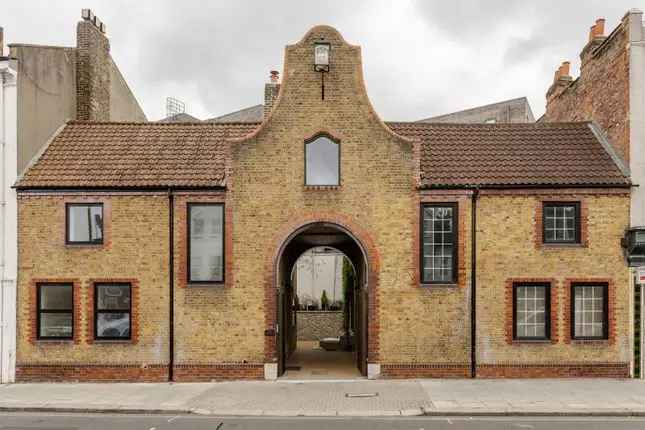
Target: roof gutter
{"x": 520, "y": 186}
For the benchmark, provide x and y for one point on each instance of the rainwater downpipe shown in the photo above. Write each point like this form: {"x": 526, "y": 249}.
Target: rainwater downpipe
{"x": 171, "y": 283}
{"x": 473, "y": 283}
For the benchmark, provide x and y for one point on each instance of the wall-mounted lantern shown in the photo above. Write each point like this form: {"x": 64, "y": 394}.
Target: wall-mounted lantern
{"x": 321, "y": 56}
{"x": 321, "y": 63}
{"x": 634, "y": 244}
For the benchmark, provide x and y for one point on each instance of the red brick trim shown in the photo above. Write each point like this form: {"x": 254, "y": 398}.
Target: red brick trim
{"x": 508, "y": 300}
{"x": 33, "y": 310}
{"x": 281, "y": 239}
{"x": 425, "y": 370}
{"x": 538, "y": 237}
{"x": 611, "y": 314}
{"x": 91, "y": 372}
{"x": 181, "y": 236}
{"x": 134, "y": 315}
{"x": 463, "y": 200}
{"x": 217, "y": 372}
{"x": 554, "y": 370}
{"x": 107, "y": 220}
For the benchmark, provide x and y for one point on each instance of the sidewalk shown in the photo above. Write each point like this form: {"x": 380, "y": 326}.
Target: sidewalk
{"x": 338, "y": 398}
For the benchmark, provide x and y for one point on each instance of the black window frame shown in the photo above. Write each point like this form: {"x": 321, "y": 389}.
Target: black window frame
{"x": 40, "y": 311}
{"x": 189, "y": 207}
{"x": 455, "y": 249}
{"x": 547, "y": 311}
{"x": 577, "y": 223}
{"x": 605, "y": 328}
{"x": 312, "y": 140}
{"x": 98, "y": 311}
{"x": 68, "y": 241}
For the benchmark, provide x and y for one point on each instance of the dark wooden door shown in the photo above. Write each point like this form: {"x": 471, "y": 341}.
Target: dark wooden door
{"x": 280, "y": 332}
{"x": 361, "y": 332}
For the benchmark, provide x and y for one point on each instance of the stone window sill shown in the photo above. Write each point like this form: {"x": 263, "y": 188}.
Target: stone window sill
{"x": 563, "y": 245}
{"x": 532, "y": 342}
{"x": 205, "y": 284}
{"x": 112, "y": 342}
{"x": 446, "y": 285}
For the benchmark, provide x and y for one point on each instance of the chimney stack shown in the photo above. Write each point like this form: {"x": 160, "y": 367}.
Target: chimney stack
{"x": 597, "y": 30}
{"x": 271, "y": 90}
{"x": 561, "y": 80}
{"x": 1, "y": 42}
{"x": 92, "y": 69}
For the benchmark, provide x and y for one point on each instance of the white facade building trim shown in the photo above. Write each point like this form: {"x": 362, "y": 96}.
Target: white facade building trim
{"x": 8, "y": 219}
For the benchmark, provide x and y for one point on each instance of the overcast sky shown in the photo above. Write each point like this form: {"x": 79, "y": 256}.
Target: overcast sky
{"x": 420, "y": 58}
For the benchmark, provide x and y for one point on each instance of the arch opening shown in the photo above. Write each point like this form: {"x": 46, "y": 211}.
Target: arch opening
{"x": 322, "y": 304}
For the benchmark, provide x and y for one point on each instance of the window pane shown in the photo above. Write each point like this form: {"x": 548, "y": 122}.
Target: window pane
{"x": 589, "y": 312}
{"x": 85, "y": 223}
{"x": 206, "y": 243}
{"x": 322, "y": 162}
{"x": 54, "y": 297}
{"x": 113, "y": 297}
{"x": 113, "y": 325}
{"x": 560, "y": 223}
{"x": 530, "y": 311}
{"x": 438, "y": 246}
{"x": 55, "y": 325}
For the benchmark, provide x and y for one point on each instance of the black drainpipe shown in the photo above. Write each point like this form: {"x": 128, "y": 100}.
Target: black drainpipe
{"x": 171, "y": 271}
{"x": 473, "y": 283}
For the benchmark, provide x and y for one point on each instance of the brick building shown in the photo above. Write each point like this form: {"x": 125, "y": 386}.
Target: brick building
{"x": 155, "y": 251}
{"x": 42, "y": 87}
{"x": 611, "y": 91}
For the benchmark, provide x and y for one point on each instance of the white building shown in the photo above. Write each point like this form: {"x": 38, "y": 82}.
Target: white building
{"x": 8, "y": 216}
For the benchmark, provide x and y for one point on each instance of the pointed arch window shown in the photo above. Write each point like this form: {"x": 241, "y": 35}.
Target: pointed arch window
{"x": 322, "y": 161}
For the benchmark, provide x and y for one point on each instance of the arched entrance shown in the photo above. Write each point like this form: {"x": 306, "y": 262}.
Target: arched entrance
{"x": 330, "y": 238}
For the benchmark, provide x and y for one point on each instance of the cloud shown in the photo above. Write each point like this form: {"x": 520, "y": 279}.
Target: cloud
{"x": 421, "y": 58}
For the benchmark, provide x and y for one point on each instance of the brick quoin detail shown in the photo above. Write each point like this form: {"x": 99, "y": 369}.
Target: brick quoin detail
{"x": 554, "y": 370}
{"x": 134, "y": 313}
{"x": 462, "y": 198}
{"x": 181, "y": 236}
{"x": 33, "y": 312}
{"x": 508, "y": 299}
{"x": 428, "y": 370}
{"x": 373, "y": 262}
{"x": 611, "y": 315}
{"x": 584, "y": 221}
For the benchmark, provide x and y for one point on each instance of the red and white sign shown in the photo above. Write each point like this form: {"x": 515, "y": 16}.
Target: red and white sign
{"x": 640, "y": 276}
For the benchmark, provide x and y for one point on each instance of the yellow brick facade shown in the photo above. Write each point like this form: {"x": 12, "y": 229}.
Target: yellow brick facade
{"x": 225, "y": 330}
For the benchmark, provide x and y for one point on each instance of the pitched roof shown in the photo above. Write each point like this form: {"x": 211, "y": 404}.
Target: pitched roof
{"x": 513, "y": 154}
{"x": 117, "y": 154}
{"x": 249, "y": 114}
{"x": 517, "y": 110}
{"x": 86, "y": 154}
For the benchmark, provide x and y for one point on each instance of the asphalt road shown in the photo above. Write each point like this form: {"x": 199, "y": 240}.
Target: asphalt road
{"x": 37, "y": 421}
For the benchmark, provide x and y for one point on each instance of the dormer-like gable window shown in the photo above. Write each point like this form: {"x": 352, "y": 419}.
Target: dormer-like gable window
{"x": 322, "y": 161}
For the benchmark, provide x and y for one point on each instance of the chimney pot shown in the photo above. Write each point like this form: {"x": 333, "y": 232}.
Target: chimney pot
{"x": 275, "y": 76}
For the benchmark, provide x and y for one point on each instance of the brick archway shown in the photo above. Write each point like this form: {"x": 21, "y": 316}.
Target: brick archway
{"x": 363, "y": 240}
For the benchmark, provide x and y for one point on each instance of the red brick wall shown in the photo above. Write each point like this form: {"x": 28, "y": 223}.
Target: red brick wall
{"x": 601, "y": 93}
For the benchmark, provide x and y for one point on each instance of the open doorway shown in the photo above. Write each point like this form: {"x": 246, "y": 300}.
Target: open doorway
{"x": 322, "y": 305}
